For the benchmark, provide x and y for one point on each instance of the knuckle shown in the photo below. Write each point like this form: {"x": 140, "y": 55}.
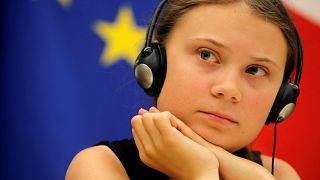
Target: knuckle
{"x": 159, "y": 145}
{"x": 143, "y": 157}
{"x": 149, "y": 152}
{"x": 148, "y": 149}
{"x": 135, "y": 120}
{"x": 146, "y": 116}
{"x": 168, "y": 140}
{"x": 166, "y": 113}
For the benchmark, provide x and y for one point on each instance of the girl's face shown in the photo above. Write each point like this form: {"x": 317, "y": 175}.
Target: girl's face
{"x": 225, "y": 66}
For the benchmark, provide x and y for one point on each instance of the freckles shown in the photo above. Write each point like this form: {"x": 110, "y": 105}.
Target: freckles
{"x": 260, "y": 108}
{"x": 256, "y": 103}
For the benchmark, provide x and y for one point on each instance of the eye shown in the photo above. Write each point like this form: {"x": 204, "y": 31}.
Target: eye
{"x": 257, "y": 70}
{"x": 207, "y": 55}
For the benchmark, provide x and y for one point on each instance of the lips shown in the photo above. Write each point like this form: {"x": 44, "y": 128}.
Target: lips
{"x": 221, "y": 118}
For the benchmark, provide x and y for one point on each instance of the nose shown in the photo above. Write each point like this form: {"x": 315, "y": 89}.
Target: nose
{"x": 227, "y": 88}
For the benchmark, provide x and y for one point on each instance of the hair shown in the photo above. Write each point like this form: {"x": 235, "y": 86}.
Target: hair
{"x": 270, "y": 10}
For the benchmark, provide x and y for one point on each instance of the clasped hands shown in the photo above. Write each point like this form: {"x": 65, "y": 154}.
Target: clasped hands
{"x": 166, "y": 144}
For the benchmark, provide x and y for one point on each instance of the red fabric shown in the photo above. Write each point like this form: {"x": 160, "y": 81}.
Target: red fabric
{"x": 298, "y": 137}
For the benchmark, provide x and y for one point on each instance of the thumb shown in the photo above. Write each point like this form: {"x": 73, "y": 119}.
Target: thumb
{"x": 188, "y": 132}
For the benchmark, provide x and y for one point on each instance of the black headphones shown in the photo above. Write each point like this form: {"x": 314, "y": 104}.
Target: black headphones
{"x": 151, "y": 66}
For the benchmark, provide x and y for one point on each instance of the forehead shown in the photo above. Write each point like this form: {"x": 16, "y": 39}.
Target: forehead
{"x": 235, "y": 25}
{"x": 221, "y": 15}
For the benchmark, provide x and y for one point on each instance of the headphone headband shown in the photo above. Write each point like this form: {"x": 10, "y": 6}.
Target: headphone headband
{"x": 299, "y": 58}
{"x": 153, "y": 22}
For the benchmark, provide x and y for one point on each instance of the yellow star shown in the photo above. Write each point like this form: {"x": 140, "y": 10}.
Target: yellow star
{"x": 123, "y": 38}
{"x": 65, "y": 3}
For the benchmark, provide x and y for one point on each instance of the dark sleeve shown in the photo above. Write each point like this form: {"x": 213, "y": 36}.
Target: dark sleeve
{"x": 128, "y": 154}
{"x": 249, "y": 154}
{"x": 257, "y": 157}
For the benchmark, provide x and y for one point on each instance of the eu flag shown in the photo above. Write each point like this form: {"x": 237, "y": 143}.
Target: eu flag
{"x": 66, "y": 80}
{"x": 67, "y": 83}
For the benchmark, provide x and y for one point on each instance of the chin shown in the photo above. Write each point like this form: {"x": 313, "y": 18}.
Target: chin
{"x": 220, "y": 140}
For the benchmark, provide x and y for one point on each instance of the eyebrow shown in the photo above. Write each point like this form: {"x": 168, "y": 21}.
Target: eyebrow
{"x": 266, "y": 60}
{"x": 212, "y": 41}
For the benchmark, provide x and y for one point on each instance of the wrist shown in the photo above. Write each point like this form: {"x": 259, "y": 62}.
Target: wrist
{"x": 212, "y": 175}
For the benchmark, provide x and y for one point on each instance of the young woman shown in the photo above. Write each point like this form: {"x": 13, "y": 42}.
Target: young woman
{"x": 226, "y": 60}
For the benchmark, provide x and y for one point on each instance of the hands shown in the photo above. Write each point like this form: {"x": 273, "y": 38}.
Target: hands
{"x": 166, "y": 144}
{"x": 163, "y": 145}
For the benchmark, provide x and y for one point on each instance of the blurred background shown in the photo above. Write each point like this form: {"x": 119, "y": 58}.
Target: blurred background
{"x": 67, "y": 83}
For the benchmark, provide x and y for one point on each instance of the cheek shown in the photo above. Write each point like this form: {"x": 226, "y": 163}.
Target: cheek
{"x": 261, "y": 104}
{"x": 181, "y": 87}
{"x": 172, "y": 91}
{"x": 254, "y": 117}
{"x": 258, "y": 110}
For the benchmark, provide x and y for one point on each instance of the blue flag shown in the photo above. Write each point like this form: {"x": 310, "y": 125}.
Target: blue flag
{"x": 66, "y": 80}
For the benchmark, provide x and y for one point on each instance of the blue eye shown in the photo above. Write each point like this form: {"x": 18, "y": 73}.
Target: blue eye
{"x": 207, "y": 55}
{"x": 256, "y": 70}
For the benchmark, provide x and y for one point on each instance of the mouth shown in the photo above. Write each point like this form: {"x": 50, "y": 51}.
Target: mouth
{"x": 220, "y": 118}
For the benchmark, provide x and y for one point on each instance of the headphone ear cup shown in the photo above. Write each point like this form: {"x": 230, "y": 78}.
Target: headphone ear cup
{"x": 150, "y": 69}
{"x": 284, "y": 103}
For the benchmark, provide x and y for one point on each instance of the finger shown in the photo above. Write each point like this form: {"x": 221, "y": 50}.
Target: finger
{"x": 173, "y": 122}
{"x": 140, "y": 131}
{"x": 141, "y": 148}
{"x": 153, "y": 110}
{"x": 187, "y": 131}
{"x": 164, "y": 123}
{"x": 142, "y": 111}
{"x": 151, "y": 129}
{"x": 143, "y": 154}
{"x": 137, "y": 140}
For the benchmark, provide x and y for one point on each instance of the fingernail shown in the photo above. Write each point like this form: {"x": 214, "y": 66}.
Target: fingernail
{"x": 142, "y": 111}
{"x": 154, "y": 109}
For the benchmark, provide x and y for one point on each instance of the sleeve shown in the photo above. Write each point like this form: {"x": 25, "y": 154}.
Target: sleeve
{"x": 128, "y": 154}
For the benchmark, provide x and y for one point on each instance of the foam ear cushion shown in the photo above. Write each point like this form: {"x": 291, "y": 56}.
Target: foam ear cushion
{"x": 284, "y": 103}
{"x": 150, "y": 69}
